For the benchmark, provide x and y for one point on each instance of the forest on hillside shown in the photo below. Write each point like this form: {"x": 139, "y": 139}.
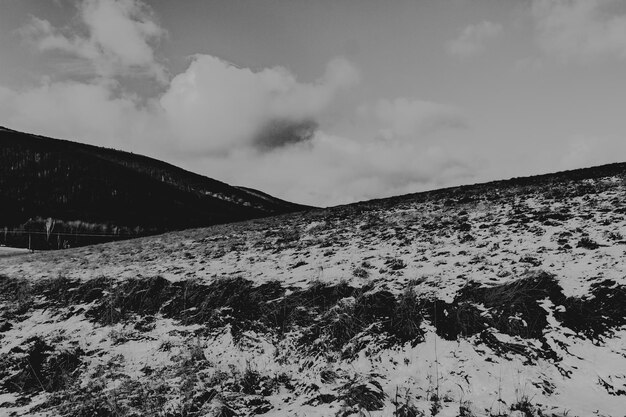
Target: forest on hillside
{"x": 95, "y": 194}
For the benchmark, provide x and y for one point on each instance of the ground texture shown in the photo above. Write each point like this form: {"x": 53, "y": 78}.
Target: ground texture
{"x": 507, "y": 299}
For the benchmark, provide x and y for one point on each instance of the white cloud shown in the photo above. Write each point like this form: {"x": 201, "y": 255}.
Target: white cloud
{"x": 118, "y": 39}
{"x": 253, "y": 127}
{"x": 529, "y": 64}
{"x": 412, "y": 118}
{"x": 331, "y": 169}
{"x": 324, "y": 169}
{"x": 84, "y": 112}
{"x": 472, "y": 39}
{"x": 581, "y": 29}
{"x": 211, "y": 108}
{"x": 217, "y": 107}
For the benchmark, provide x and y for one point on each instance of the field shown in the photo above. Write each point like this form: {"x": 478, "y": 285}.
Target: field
{"x": 504, "y": 299}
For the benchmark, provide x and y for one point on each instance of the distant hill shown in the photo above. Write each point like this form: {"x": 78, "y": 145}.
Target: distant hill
{"x": 93, "y": 194}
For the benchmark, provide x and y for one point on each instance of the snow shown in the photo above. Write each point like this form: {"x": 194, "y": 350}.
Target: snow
{"x": 8, "y": 251}
{"x": 332, "y": 244}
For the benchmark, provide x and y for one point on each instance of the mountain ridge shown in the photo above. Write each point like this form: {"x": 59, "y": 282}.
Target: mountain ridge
{"x": 112, "y": 192}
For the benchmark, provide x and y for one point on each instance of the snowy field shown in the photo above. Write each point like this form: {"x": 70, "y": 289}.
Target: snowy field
{"x": 5, "y": 251}
{"x": 495, "y": 301}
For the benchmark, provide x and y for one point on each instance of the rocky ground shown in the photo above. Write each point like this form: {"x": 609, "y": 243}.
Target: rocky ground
{"x": 506, "y": 299}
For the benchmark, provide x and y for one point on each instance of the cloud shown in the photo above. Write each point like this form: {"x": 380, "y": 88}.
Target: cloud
{"x": 84, "y": 112}
{"x": 404, "y": 156}
{"x": 216, "y": 107}
{"x": 118, "y": 37}
{"x": 529, "y": 64}
{"x": 472, "y": 39}
{"x": 412, "y": 118}
{"x": 278, "y": 133}
{"x": 581, "y": 30}
{"x": 211, "y": 108}
{"x": 287, "y": 154}
{"x": 331, "y": 169}
{"x": 255, "y": 127}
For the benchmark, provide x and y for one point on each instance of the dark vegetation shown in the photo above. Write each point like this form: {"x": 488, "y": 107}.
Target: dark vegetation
{"x": 362, "y": 395}
{"x": 130, "y": 399}
{"x": 587, "y": 243}
{"x": 39, "y": 367}
{"x": 597, "y": 314}
{"x": 96, "y": 194}
{"x": 514, "y": 307}
{"x": 526, "y": 407}
{"x": 329, "y": 316}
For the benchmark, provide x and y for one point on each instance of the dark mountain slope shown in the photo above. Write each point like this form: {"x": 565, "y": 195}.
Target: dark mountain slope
{"x": 97, "y": 191}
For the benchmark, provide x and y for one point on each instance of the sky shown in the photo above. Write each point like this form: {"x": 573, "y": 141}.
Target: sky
{"x": 325, "y": 102}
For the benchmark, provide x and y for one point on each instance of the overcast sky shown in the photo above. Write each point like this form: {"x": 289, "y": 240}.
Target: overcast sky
{"x": 325, "y": 102}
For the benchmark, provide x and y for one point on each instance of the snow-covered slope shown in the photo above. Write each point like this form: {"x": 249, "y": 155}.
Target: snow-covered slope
{"x": 500, "y": 299}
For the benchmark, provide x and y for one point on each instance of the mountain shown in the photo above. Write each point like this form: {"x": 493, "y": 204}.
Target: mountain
{"x": 499, "y": 299}
{"x": 96, "y": 194}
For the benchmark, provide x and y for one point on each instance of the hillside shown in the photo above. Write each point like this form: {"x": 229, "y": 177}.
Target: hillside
{"x": 96, "y": 194}
{"x": 498, "y": 299}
